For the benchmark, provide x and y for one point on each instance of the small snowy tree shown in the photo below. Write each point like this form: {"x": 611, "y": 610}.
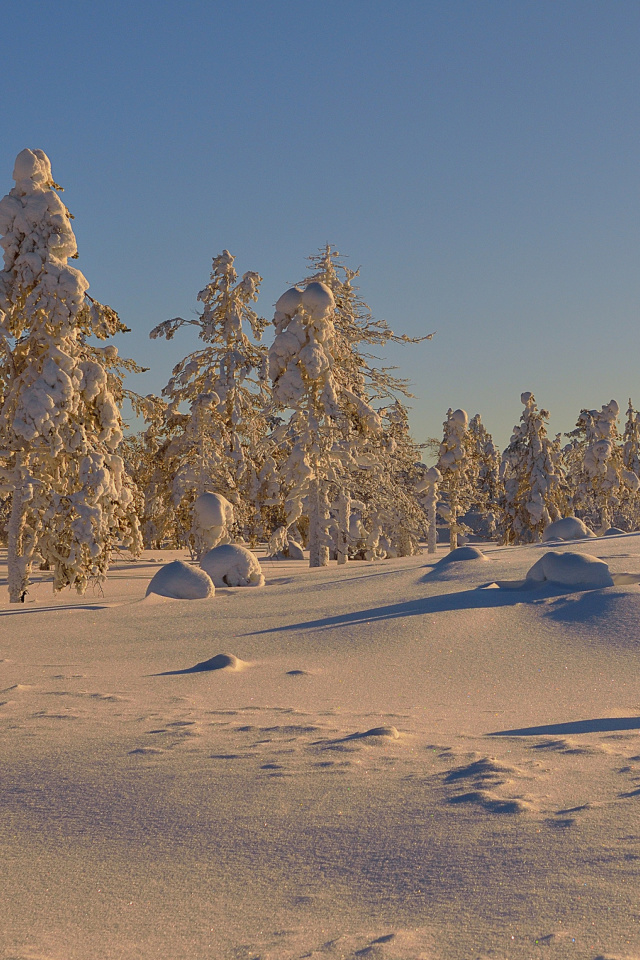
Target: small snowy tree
{"x": 605, "y": 489}
{"x": 428, "y": 490}
{"x": 60, "y": 426}
{"x": 454, "y": 465}
{"x": 215, "y": 445}
{"x": 533, "y": 477}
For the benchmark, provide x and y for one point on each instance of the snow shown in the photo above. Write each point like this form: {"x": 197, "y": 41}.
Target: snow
{"x": 365, "y": 760}
{"x": 212, "y": 510}
{"x": 571, "y": 570}
{"x": 567, "y": 528}
{"x": 181, "y": 581}
{"x": 232, "y": 565}
{"x": 461, "y": 554}
{"x": 288, "y": 304}
{"x": 317, "y": 300}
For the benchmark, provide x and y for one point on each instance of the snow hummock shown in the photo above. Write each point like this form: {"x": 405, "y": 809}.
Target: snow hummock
{"x": 231, "y": 565}
{"x": 571, "y": 570}
{"x": 568, "y": 528}
{"x": 181, "y": 581}
{"x": 462, "y": 553}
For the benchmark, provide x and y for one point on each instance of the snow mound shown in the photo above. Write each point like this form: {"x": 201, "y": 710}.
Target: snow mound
{"x": 614, "y": 532}
{"x": 461, "y": 553}
{"x": 569, "y": 528}
{"x": 571, "y": 570}
{"x": 180, "y": 581}
{"x": 231, "y": 565}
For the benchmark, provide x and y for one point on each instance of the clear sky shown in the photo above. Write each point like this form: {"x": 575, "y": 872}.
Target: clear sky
{"x": 478, "y": 160}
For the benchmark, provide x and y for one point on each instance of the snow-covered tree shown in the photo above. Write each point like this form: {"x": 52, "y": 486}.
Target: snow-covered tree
{"x": 366, "y": 452}
{"x": 214, "y": 444}
{"x": 301, "y": 362}
{"x": 428, "y": 489}
{"x": 533, "y": 475}
{"x": 60, "y": 426}
{"x": 484, "y": 478}
{"x": 604, "y": 488}
{"x": 454, "y": 464}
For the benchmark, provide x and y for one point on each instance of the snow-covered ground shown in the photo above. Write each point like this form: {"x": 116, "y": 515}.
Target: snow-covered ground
{"x": 393, "y": 760}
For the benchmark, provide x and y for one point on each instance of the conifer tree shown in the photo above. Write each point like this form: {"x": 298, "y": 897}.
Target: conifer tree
{"x": 60, "y": 426}
{"x": 213, "y": 444}
{"x": 454, "y": 464}
{"x": 533, "y": 473}
{"x": 367, "y": 453}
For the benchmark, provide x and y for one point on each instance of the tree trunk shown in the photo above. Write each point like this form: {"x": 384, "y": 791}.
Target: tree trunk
{"x": 17, "y": 568}
{"x": 318, "y": 550}
{"x": 344, "y": 517}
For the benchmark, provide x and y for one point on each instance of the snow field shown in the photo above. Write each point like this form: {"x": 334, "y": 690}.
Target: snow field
{"x": 370, "y": 758}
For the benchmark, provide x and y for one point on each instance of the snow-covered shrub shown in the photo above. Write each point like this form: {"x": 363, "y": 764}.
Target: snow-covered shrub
{"x": 60, "y": 425}
{"x": 567, "y": 528}
{"x": 181, "y": 581}
{"x": 231, "y": 565}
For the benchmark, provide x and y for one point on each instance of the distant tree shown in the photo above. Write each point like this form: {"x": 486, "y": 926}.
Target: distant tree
{"x": 604, "y": 488}
{"x": 532, "y": 469}
{"x": 455, "y": 466}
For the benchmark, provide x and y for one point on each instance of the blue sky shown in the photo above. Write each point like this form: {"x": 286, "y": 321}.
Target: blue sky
{"x": 478, "y": 160}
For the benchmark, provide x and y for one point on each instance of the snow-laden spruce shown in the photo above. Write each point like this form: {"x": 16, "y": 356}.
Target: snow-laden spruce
{"x": 533, "y": 477}
{"x": 605, "y": 489}
{"x": 209, "y": 437}
{"x": 338, "y": 447}
{"x": 454, "y": 465}
{"x": 60, "y": 426}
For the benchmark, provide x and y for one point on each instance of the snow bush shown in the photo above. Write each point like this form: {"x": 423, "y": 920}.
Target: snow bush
{"x": 231, "y": 565}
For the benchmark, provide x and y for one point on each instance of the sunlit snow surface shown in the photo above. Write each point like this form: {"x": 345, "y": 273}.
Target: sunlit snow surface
{"x": 390, "y": 760}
